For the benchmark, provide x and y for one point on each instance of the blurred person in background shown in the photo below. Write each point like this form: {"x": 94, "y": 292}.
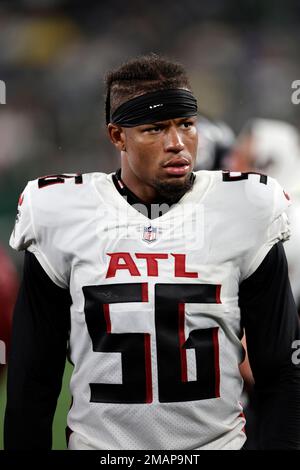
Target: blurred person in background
{"x": 8, "y": 294}
{"x": 144, "y": 303}
{"x": 215, "y": 142}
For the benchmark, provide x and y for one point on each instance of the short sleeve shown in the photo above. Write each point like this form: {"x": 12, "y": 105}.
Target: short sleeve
{"x": 273, "y": 226}
{"x": 26, "y": 237}
{"x": 23, "y": 235}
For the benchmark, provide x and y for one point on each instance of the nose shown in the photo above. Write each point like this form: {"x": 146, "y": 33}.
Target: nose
{"x": 173, "y": 140}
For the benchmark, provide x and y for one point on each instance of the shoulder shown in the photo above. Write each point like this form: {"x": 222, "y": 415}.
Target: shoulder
{"x": 249, "y": 210}
{"x": 62, "y": 194}
{"x": 54, "y": 201}
{"x": 62, "y": 184}
{"x": 51, "y": 210}
{"x": 250, "y": 194}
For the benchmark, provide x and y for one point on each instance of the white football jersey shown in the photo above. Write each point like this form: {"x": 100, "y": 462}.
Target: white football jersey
{"x": 155, "y": 323}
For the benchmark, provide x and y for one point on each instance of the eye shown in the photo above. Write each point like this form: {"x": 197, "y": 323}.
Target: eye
{"x": 187, "y": 124}
{"x": 153, "y": 129}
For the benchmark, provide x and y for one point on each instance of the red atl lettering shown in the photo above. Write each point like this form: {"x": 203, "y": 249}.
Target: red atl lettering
{"x": 151, "y": 260}
{"x": 128, "y": 263}
{"x": 124, "y": 260}
{"x": 180, "y": 267}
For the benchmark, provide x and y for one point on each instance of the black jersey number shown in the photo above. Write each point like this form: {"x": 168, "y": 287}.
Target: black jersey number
{"x": 230, "y": 176}
{"x": 171, "y": 344}
{"x": 57, "y": 179}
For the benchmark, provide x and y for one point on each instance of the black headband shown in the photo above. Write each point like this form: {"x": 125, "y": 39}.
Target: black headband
{"x": 155, "y": 106}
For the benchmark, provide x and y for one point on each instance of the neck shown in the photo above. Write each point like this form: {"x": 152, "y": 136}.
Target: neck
{"x": 161, "y": 193}
{"x": 144, "y": 192}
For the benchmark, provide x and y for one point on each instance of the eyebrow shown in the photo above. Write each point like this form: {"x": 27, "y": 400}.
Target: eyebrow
{"x": 163, "y": 123}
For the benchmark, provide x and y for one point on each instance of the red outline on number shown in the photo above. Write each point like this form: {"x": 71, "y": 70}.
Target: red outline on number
{"x": 107, "y": 317}
{"x": 182, "y": 340}
{"x": 149, "y": 394}
{"x": 217, "y": 365}
{"x": 218, "y": 294}
{"x": 147, "y": 343}
{"x": 145, "y": 296}
{"x": 181, "y": 334}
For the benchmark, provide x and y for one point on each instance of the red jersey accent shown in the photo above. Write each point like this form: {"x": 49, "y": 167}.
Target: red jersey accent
{"x": 217, "y": 366}
{"x": 181, "y": 334}
{"x": 107, "y": 317}
{"x": 149, "y": 394}
{"x": 151, "y": 259}
{"x": 180, "y": 267}
{"x": 115, "y": 264}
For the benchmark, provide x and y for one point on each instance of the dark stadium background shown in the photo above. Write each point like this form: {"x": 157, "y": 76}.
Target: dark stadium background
{"x": 242, "y": 58}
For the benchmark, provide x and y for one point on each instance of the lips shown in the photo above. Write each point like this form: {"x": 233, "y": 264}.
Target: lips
{"x": 177, "y": 166}
{"x": 179, "y": 161}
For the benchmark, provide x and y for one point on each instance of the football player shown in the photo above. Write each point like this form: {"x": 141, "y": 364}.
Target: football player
{"x": 145, "y": 278}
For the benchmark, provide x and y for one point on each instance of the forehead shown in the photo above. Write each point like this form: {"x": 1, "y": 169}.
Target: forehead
{"x": 163, "y": 123}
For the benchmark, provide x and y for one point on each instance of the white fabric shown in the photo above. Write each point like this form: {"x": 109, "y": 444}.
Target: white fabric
{"x": 224, "y": 229}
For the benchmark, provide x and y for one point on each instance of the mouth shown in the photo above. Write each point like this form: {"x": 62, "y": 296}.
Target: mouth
{"x": 177, "y": 166}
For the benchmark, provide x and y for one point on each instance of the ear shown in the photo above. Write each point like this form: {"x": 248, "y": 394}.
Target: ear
{"x": 117, "y": 136}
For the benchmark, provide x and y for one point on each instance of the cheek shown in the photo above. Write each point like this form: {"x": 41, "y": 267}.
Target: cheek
{"x": 140, "y": 158}
{"x": 146, "y": 153}
{"x": 192, "y": 144}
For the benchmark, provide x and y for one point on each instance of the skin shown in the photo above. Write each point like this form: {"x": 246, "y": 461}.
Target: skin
{"x": 146, "y": 149}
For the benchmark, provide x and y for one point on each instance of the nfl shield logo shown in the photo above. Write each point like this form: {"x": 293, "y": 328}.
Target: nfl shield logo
{"x": 149, "y": 234}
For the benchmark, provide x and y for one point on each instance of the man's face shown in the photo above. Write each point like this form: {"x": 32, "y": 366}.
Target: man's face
{"x": 162, "y": 153}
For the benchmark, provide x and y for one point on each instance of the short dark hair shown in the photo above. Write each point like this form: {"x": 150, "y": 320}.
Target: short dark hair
{"x": 139, "y": 76}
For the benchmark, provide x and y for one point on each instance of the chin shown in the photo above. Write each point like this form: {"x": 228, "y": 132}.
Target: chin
{"x": 171, "y": 189}
{"x": 178, "y": 180}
